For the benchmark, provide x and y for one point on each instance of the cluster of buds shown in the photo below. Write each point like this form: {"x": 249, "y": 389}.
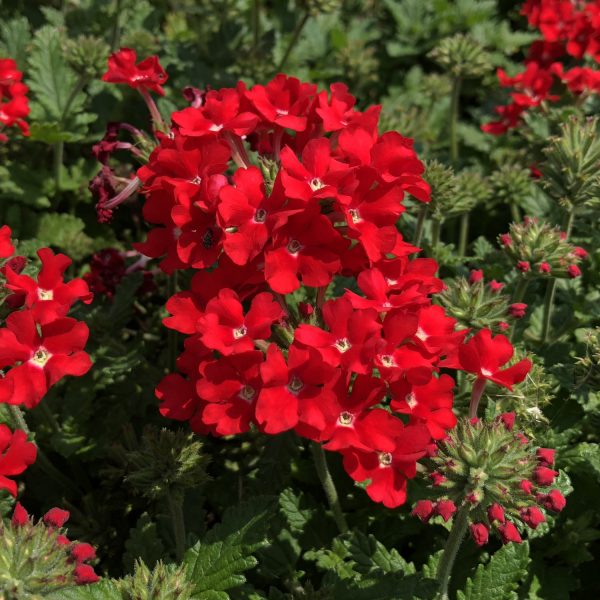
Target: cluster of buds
{"x": 37, "y": 559}
{"x": 14, "y": 106}
{"x": 494, "y": 473}
{"x": 462, "y": 56}
{"x": 163, "y": 581}
{"x": 477, "y": 304}
{"x": 538, "y": 249}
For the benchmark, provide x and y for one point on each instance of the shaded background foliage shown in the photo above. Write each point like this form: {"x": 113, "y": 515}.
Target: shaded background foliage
{"x": 383, "y": 50}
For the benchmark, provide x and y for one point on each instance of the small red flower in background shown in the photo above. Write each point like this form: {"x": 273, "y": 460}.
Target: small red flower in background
{"x": 147, "y": 74}
{"x": 40, "y": 355}
{"x": 16, "y": 454}
{"x": 484, "y": 355}
{"x": 14, "y": 106}
{"x": 6, "y": 246}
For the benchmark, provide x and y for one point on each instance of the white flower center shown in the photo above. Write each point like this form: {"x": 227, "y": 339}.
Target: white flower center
{"x": 345, "y": 419}
{"x": 486, "y": 372}
{"x": 385, "y": 459}
{"x": 387, "y": 360}
{"x": 411, "y": 400}
{"x": 45, "y": 294}
{"x": 240, "y": 332}
{"x": 294, "y": 246}
{"x": 40, "y": 357}
{"x": 316, "y": 184}
{"x": 354, "y": 215}
{"x": 343, "y": 345}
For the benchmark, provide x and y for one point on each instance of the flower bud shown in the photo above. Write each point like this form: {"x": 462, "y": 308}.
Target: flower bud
{"x": 517, "y": 310}
{"x": 83, "y": 552}
{"x": 475, "y": 276}
{"x": 526, "y": 486}
{"x": 496, "y": 286}
{"x": 580, "y": 252}
{"x": 508, "y": 419}
{"x": 437, "y": 478}
{"x": 85, "y": 574}
{"x": 305, "y": 309}
{"x": 574, "y": 271}
{"x": 56, "y": 517}
{"x": 523, "y": 266}
{"x": 545, "y": 456}
{"x": 480, "y": 533}
{"x": 423, "y": 510}
{"x": 509, "y": 533}
{"x": 544, "y": 268}
{"x": 553, "y": 500}
{"x": 544, "y": 476}
{"x": 532, "y": 516}
{"x": 445, "y": 509}
{"x": 496, "y": 513}
{"x": 20, "y": 516}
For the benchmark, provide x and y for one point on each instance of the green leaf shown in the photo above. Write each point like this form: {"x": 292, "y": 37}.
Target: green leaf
{"x": 296, "y": 517}
{"x": 392, "y": 586}
{"x": 15, "y": 35}
{"x": 371, "y": 555}
{"x": 53, "y": 83}
{"x": 65, "y": 231}
{"x": 500, "y": 577}
{"x": 217, "y": 562}
{"x": 103, "y": 590}
{"x": 144, "y": 543}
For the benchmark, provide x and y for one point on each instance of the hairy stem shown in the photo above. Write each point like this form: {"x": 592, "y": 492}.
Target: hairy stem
{"x": 457, "y": 533}
{"x": 295, "y": 36}
{"x": 328, "y": 486}
{"x": 548, "y": 306}
{"x": 463, "y": 236}
{"x": 476, "y": 394}
{"x": 420, "y": 225}
{"x": 436, "y": 227}
{"x": 42, "y": 460}
{"x": 175, "y": 501}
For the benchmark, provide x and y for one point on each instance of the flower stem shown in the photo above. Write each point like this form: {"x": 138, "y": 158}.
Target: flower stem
{"x": 295, "y": 35}
{"x": 175, "y": 502}
{"x": 436, "y": 227}
{"x": 463, "y": 236}
{"x": 520, "y": 290}
{"x": 328, "y": 486}
{"x": 476, "y": 394}
{"x": 157, "y": 120}
{"x": 548, "y": 305}
{"x": 420, "y": 225}
{"x": 42, "y": 460}
{"x": 515, "y": 213}
{"x": 457, "y": 533}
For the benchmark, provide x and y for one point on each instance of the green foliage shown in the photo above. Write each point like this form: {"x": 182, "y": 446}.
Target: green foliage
{"x": 500, "y": 577}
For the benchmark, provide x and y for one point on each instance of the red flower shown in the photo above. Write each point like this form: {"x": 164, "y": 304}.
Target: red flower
{"x": 40, "y": 355}
{"x": 395, "y": 450}
{"x": 545, "y": 456}
{"x": 50, "y": 295}
{"x": 287, "y": 385}
{"x": 16, "y": 454}
{"x": 484, "y": 355}
{"x": 6, "y": 247}
{"x": 544, "y": 476}
{"x": 532, "y": 516}
{"x": 430, "y": 404}
{"x": 56, "y": 517}
{"x": 221, "y": 111}
{"x": 283, "y": 101}
{"x": 225, "y": 328}
{"x": 147, "y": 74}
{"x": 517, "y": 310}
{"x": 475, "y": 276}
{"x": 496, "y": 513}
{"x": 230, "y": 385}
{"x": 423, "y": 509}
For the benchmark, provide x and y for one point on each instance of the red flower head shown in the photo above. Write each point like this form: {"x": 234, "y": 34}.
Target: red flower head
{"x": 517, "y": 310}
{"x": 145, "y": 75}
{"x": 20, "y": 516}
{"x": 40, "y": 355}
{"x": 16, "y": 454}
{"x": 56, "y": 517}
{"x": 484, "y": 355}
{"x": 475, "y": 276}
{"x": 50, "y": 295}
{"x": 85, "y": 574}
{"x": 287, "y": 385}
{"x": 6, "y": 247}
{"x": 225, "y": 328}
{"x": 509, "y": 533}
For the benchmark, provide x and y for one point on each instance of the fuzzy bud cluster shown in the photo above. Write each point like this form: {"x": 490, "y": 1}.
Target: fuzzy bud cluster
{"x": 537, "y": 249}
{"x": 167, "y": 582}
{"x": 462, "y": 56}
{"x": 38, "y": 558}
{"x": 494, "y": 473}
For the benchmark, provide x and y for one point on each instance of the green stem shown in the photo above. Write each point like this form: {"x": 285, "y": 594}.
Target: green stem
{"x": 520, "y": 290}
{"x": 175, "y": 502}
{"x": 454, "y": 108}
{"x": 42, "y": 460}
{"x": 420, "y": 225}
{"x": 463, "y": 236}
{"x": 548, "y": 305}
{"x": 457, "y": 533}
{"x": 295, "y": 35}
{"x": 436, "y": 227}
{"x": 328, "y": 486}
{"x": 568, "y": 222}
{"x": 116, "y": 29}
{"x": 255, "y": 26}
{"x": 515, "y": 213}
{"x": 59, "y": 151}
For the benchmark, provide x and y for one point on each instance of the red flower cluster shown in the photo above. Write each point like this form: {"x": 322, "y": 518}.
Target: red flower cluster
{"x": 80, "y": 553}
{"x": 147, "y": 74}
{"x": 16, "y": 454}
{"x": 320, "y": 210}
{"x": 569, "y": 29}
{"x": 40, "y": 344}
{"x": 14, "y": 106}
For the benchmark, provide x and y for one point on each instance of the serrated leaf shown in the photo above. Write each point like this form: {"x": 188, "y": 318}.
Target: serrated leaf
{"x": 296, "y": 517}
{"x": 369, "y": 554}
{"x": 500, "y": 577}
{"x": 144, "y": 543}
{"x": 65, "y": 231}
{"x": 103, "y": 590}
{"x": 217, "y": 562}
{"x": 15, "y": 35}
